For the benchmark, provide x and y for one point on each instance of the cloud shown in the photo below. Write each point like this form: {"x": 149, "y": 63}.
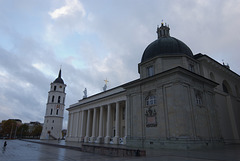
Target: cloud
{"x": 98, "y": 40}
{"x": 65, "y": 21}
{"x": 71, "y": 8}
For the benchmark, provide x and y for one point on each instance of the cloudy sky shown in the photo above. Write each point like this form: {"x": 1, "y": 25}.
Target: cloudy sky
{"x": 95, "y": 40}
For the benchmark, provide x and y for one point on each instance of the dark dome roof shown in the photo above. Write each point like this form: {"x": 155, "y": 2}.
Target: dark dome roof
{"x": 59, "y": 79}
{"x": 165, "y": 45}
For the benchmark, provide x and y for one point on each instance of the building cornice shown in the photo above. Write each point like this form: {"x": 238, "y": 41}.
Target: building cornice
{"x": 175, "y": 70}
{"x": 214, "y": 63}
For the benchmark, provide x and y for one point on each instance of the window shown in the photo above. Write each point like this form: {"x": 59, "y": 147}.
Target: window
{"x": 191, "y": 67}
{"x": 212, "y": 76}
{"x": 52, "y": 121}
{"x": 226, "y": 87}
{"x": 57, "y": 112}
{"x": 198, "y": 98}
{"x": 150, "y": 100}
{"x": 55, "y": 87}
{"x": 52, "y": 98}
{"x": 51, "y": 111}
{"x": 59, "y": 99}
{"x": 150, "y": 71}
{"x": 52, "y": 128}
{"x": 60, "y": 86}
{"x": 123, "y": 114}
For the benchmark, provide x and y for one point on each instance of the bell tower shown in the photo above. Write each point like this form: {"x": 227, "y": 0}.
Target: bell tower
{"x": 53, "y": 120}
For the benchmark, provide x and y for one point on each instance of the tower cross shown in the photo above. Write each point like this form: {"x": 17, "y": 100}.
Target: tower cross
{"x": 106, "y": 81}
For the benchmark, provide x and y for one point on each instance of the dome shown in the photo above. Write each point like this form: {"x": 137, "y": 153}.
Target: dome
{"x": 165, "y": 45}
{"x": 59, "y": 79}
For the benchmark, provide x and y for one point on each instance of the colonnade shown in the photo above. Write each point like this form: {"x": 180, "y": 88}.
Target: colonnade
{"x": 104, "y": 124}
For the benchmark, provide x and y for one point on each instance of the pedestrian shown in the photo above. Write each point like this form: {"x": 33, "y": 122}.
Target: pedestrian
{"x": 5, "y": 144}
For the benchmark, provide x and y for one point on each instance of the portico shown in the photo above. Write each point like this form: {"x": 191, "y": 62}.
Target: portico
{"x": 99, "y": 119}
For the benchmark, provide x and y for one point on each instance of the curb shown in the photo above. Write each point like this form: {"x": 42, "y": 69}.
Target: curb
{"x": 56, "y": 145}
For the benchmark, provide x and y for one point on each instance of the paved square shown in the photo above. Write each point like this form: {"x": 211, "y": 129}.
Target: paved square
{"x": 18, "y": 150}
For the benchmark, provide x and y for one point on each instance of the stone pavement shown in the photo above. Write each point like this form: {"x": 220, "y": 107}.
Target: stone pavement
{"x": 18, "y": 150}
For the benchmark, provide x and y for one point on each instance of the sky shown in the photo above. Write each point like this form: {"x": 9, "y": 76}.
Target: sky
{"x": 96, "y": 40}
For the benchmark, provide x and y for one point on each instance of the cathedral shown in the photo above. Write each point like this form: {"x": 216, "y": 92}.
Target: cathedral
{"x": 181, "y": 100}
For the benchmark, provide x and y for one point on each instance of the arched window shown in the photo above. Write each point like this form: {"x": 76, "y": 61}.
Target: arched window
{"x": 59, "y": 99}
{"x": 212, "y": 76}
{"x": 226, "y": 87}
{"x": 150, "y": 100}
{"x": 52, "y": 98}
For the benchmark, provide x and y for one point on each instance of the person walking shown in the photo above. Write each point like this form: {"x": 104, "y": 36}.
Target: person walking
{"x": 5, "y": 144}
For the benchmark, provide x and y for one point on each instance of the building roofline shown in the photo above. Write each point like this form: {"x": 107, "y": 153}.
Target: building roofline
{"x": 96, "y": 97}
{"x": 167, "y": 72}
{"x": 200, "y": 55}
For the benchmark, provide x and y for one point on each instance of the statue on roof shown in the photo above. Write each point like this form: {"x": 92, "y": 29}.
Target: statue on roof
{"x": 105, "y": 86}
{"x": 85, "y": 93}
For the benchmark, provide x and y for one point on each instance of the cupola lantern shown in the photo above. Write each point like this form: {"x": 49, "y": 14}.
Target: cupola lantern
{"x": 163, "y": 31}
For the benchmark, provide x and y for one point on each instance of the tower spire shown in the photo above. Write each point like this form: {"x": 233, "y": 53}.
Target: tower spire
{"x": 59, "y": 78}
{"x": 59, "y": 74}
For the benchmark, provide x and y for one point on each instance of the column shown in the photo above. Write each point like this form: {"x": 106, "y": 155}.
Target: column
{"x": 88, "y": 127}
{"x": 107, "y": 138}
{"x": 68, "y": 130}
{"x": 125, "y": 137}
{"x": 94, "y": 125}
{"x": 83, "y": 125}
{"x": 100, "y": 134}
{"x": 71, "y": 125}
{"x": 77, "y": 124}
{"x": 116, "y": 137}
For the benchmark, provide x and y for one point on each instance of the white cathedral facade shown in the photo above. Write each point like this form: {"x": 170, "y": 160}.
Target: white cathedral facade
{"x": 181, "y": 100}
{"x": 53, "y": 120}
